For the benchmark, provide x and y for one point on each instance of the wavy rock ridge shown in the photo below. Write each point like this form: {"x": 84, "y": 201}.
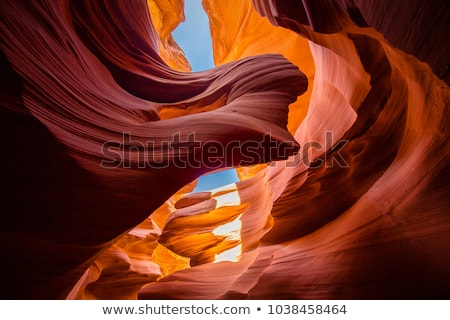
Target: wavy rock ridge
{"x": 363, "y": 212}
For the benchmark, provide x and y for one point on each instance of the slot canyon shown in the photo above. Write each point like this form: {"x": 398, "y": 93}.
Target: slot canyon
{"x": 334, "y": 114}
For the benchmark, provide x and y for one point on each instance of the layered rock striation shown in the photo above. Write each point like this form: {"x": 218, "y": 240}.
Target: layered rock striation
{"x": 104, "y": 131}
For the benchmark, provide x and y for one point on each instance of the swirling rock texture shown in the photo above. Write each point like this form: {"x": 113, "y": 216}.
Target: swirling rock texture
{"x": 354, "y": 203}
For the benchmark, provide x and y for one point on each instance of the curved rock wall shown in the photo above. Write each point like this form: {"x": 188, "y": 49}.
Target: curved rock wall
{"x": 354, "y": 203}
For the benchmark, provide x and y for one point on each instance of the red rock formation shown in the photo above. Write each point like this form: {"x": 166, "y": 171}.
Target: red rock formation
{"x": 61, "y": 205}
{"x": 362, "y": 213}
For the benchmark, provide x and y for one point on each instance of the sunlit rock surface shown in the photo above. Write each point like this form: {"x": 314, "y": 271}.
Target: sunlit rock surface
{"x": 361, "y": 211}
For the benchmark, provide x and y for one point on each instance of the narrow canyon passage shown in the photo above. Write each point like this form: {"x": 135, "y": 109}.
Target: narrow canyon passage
{"x": 333, "y": 114}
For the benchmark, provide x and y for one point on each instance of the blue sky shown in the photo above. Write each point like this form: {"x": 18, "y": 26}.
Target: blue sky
{"x": 194, "y": 38}
{"x": 216, "y": 179}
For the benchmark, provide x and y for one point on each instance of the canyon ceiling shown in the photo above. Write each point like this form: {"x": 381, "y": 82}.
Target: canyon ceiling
{"x": 362, "y": 213}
